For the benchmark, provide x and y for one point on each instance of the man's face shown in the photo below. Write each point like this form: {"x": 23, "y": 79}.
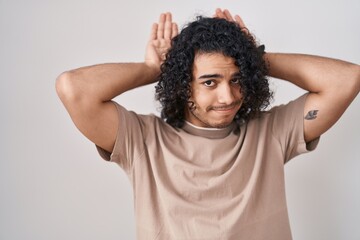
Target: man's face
{"x": 215, "y": 91}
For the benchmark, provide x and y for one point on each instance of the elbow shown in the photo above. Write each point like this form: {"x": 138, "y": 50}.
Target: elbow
{"x": 357, "y": 79}
{"x": 352, "y": 87}
{"x": 350, "y": 83}
{"x": 354, "y": 80}
{"x": 66, "y": 88}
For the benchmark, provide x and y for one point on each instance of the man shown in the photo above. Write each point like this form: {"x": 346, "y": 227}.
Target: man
{"x": 212, "y": 167}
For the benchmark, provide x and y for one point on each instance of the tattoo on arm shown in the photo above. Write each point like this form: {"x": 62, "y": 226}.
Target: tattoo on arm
{"x": 311, "y": 115}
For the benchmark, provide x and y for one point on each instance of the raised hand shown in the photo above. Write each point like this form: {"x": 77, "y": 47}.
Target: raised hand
{"x": 225, "y": 14}
{"x": 160, "y": 40}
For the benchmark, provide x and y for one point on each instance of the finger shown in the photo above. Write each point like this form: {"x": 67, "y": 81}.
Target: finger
{"x": 161, "y": 25}
{"x": 175, "y": 30}
{"x": 220, "y": 13}
{"x": 168, "y": 26}
{"x": 239, "y": 21}
{"x": 153, "y": 33}
{"x": 217, "y": 10}
{"x": 228, "y": 16}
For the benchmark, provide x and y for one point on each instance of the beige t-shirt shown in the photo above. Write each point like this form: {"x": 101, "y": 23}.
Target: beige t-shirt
{"x": 210, "y": 184}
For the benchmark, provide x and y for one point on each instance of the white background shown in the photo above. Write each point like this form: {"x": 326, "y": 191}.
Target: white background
{"x": 53, "y": 185}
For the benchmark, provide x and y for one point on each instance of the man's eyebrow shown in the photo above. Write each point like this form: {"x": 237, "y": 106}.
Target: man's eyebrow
{"x": 216, "y": 75}
{"x": 210, "y": 76}
{"x": 236, "y": 74}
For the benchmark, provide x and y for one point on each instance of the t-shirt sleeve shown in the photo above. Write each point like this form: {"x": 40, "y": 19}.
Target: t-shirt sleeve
{"x": 129, "y": 143}
{"x": 288, "y": 128}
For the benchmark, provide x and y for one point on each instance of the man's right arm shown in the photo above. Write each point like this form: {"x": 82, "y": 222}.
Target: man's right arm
{"x": 87, "y": 92}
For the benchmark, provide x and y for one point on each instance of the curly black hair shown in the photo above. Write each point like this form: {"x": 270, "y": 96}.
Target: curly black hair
{"x": 212, "y": 35}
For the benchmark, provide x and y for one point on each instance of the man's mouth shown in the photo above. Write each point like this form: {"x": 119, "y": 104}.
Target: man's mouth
{"x": 227, "y": 108}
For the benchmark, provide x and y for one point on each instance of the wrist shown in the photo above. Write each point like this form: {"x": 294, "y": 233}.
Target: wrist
{"x": 152, "y": 71}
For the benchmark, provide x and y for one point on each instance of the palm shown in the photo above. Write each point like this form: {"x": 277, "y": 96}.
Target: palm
{"x": 156, "y": 51}
{"x": 160, "y": 40}
{"x": 225, "y": 14}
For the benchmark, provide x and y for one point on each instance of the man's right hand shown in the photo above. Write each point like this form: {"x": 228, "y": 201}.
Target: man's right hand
{"x": 160, "y": 41}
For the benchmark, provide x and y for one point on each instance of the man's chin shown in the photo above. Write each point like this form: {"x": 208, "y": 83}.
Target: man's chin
{"x": 221, "y": 124}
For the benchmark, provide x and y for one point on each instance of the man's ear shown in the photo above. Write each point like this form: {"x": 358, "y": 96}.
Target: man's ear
{"x": 191, "y": 105}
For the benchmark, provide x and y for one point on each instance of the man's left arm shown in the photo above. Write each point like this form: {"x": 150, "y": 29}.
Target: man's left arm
{"x": 332, "y": 85}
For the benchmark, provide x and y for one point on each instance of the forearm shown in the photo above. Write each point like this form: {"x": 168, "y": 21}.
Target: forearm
{"x": 103, "y": 82}
{"x": 314, "y": 74}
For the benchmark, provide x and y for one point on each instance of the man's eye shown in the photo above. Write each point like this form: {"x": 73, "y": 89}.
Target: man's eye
{"x": 209, "y": 83}
{"x": 235, "y": 81}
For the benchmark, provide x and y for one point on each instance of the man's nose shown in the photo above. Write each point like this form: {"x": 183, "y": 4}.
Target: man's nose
{"x": 226, "y": 94}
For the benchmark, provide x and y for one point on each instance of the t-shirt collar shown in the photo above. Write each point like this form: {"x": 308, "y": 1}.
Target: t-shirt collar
{"x": 214, "y": 133}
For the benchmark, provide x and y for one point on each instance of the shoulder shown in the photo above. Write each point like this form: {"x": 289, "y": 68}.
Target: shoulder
{"x": 294, "y": 105}
{"x": 147, "y": 123}
{"x": 281, "y": 116}
{"x": 292, "y": 108}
